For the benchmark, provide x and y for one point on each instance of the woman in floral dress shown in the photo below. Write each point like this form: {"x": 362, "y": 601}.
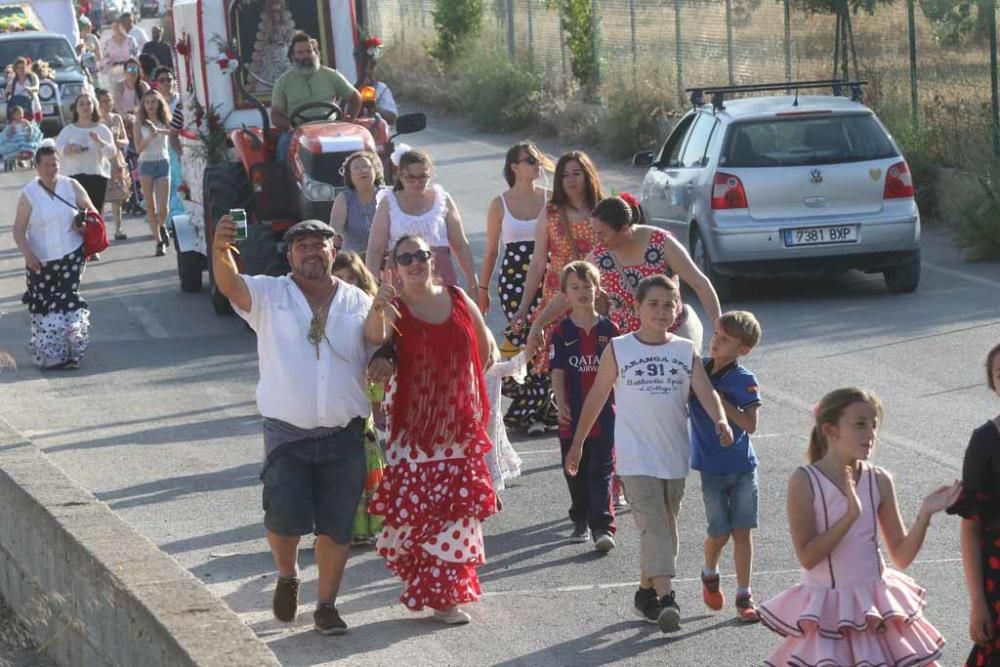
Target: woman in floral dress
{"x": 562, "y": 235}
{"x": 628, "y": 251}
{"x": 436, "y": 487}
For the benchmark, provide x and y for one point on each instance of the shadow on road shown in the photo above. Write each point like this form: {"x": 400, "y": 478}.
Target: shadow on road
{"x": 598, "y": 649}
{"x": 170, "y": 488}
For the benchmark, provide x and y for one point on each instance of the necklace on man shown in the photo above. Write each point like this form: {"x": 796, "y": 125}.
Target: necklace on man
{"x": 317, "y": 326}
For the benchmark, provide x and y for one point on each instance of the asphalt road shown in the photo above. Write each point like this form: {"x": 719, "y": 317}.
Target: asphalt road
{"x": 160, "y": 423}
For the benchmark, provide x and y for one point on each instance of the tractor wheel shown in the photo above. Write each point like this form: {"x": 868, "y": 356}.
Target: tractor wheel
{"x": 225, "y": 186}
{"x": 189, "y": 267}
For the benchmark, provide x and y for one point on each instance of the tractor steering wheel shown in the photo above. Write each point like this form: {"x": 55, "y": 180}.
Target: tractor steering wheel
{"x": 333, "y": 112}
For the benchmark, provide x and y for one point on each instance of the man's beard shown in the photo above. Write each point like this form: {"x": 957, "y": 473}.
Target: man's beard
{"x": 310, "y": 65}
{"x": 311, "y": 270}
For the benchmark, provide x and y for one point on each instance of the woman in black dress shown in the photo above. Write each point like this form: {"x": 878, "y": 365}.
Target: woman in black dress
{"x": 979, "y": 508}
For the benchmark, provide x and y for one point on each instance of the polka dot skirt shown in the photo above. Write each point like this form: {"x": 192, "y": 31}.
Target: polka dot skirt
{"x": 532, "y": 400}
{"x": 432, "y": 537}
{"x": 60, "y": 319}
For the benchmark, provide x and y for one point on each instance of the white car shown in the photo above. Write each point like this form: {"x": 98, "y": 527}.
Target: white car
{"x": 785, "y": 184}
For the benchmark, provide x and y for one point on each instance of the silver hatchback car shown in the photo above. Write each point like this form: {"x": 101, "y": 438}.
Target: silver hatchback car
{"x": 784, "y": 184}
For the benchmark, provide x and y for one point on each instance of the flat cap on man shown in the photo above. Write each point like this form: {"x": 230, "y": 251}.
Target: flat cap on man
{"x": 316, "y": 227}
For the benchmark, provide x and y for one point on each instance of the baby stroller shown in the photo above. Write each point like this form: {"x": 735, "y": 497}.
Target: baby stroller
{"x": 18, "y": 148}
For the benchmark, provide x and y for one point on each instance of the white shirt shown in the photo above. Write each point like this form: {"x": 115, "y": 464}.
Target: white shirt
{"x": 294, "y": 385}
{"x": 156, "y": 149}
{"x": 384, "y": 99}
{"x": 50, "y": 227}
{"x": 651, "y": 407}
{"x": 432, "y": 226}
{"x": 96, "y": 160}
{"x": 140, "y": 37}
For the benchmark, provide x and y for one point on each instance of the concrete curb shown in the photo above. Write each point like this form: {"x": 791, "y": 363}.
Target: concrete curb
{"x": 92, "y": 590}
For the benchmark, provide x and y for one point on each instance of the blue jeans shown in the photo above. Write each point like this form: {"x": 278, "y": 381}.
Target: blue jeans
{"x": 730, "y": 501}
{"x": 315, "y": 485}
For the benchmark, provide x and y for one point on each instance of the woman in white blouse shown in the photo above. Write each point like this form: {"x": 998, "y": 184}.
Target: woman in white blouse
{"x": 49, "y": 237}
{"x": 86, "y": 147}
{"x": 416, "y": 206}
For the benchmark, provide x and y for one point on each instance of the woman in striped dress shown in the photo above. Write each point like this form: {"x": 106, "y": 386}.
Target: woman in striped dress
{"x": 354, "y": 209}
{"x": 510, "y": 223}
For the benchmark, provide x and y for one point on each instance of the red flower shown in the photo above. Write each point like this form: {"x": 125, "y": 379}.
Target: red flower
{"x": 182, "y": 46}
{"x": 230, "y": 54}
{"x": 629, "y": 199}
{"x": 373, "y": 41}
{"x": 223, "y": 62}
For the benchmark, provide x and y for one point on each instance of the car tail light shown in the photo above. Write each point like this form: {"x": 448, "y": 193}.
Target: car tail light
{"x": 898, "y": 182}
{"x": 728, "y": 192}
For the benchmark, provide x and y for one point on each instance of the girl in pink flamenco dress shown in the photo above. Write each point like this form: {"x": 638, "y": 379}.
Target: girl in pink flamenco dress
{"x": 850, "y": 609}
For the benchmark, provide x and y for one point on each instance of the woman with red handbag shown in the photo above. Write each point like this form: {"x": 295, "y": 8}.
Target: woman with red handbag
{"x": 49, "y": 232}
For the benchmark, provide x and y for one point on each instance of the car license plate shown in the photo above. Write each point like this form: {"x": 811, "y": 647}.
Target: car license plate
{"x": 48, "y": 109}
{"x": 821, "y": 235}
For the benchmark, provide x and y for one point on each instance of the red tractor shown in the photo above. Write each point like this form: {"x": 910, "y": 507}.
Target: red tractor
{"x": 276, "y": 195}
{"x": 212, "y": 37}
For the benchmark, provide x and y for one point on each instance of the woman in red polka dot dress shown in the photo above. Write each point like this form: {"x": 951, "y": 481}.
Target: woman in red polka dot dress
{"x": 436, "y": 487}
{"x": 979, "y": 507}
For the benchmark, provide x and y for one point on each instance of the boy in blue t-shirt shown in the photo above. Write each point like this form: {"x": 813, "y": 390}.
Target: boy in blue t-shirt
{"x": 729, "y": 474}
{"x": 575, "y": 352}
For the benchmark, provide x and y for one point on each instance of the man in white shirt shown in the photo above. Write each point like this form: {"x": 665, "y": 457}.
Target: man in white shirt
{"x": 134, "y": 31}
{"x": 312, "y": 395}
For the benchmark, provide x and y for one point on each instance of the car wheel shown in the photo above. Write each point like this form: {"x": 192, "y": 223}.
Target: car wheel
{"x": 699, "y": 253}
{"x": 904, "y": 278}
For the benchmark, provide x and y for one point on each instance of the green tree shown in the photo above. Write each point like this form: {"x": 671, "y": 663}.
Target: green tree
{"x": 577, "y": 23}
{"x": 455, "y": 22}
{"x": 957, "y": 21}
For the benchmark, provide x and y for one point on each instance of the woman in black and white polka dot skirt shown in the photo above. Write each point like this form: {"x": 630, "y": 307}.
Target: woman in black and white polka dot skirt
{"x": 51, "y": 241}
{"x": 511, "y": 222}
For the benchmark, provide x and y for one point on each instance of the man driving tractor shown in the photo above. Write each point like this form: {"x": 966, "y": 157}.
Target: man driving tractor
{"x": 305, "y": 82}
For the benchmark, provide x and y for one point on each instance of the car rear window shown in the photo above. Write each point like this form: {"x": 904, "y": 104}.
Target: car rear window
{"x": 806, "y": 140}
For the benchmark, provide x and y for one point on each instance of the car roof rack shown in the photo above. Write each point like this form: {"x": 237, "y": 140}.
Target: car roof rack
{"x": 719, "y": 93}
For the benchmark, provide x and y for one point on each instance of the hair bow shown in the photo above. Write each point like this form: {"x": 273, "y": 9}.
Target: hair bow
{"x": 398, "y": 153}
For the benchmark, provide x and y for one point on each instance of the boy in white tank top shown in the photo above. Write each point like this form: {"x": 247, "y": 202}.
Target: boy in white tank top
{"x": 652, "y": 373}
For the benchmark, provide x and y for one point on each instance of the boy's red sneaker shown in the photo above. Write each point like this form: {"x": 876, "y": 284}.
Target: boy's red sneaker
{"x": 710, "y": 593}
{"x": 746, "y": 610}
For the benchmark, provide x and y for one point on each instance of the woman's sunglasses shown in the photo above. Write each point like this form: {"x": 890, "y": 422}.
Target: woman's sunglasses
{"x": 406, "y": 258}
{"x": 131, "y": 69}
{"x": 530, "y": 160}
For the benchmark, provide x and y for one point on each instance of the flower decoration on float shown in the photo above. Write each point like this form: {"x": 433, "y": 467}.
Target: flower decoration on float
{"x": 183, "y": 45}
{"x": 369, "y": 46}
{"x": 184, "y": 191}
{"x": 373, "y": 47}
{"x": 227, "y": 56}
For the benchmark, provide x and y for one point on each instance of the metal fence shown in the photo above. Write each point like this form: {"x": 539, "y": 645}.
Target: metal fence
{"x": 920, "y": 64}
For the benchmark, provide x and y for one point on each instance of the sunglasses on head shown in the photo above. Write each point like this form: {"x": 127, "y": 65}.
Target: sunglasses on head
{"x": 406, "y": 258}
{"x": 529, "y": 160}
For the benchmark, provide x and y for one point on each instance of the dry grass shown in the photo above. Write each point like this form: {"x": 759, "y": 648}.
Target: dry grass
{"x": 17, "y": 647}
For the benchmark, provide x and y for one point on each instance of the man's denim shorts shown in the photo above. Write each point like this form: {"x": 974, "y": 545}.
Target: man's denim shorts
{"x": 155, "y": 169}
{"x": 730, "y": 501}
{"x": 314, "y": 485}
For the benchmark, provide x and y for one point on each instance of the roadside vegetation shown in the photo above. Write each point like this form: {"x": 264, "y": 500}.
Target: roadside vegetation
{"x": 464, "y": 68}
